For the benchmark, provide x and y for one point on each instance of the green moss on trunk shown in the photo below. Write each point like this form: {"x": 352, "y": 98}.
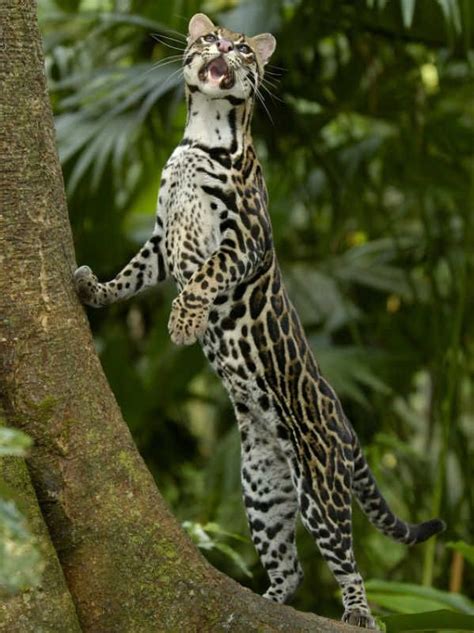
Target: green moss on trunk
{"x": 49, "y": 606}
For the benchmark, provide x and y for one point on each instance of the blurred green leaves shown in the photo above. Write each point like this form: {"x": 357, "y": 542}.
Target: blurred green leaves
{"x": 410, "y": 598}
{"x": 429, "y": 609}
{"x": 211, "y": 537}
{"x": 13, "y": 442}
{"x": 21, "y": 564}
{"x": 441, "y": 620}
{"x": 463, "y": 548}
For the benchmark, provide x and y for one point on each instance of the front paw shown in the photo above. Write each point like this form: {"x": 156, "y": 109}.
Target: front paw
{"x": 187, "y": 322}
{"x": 86, "y": 285}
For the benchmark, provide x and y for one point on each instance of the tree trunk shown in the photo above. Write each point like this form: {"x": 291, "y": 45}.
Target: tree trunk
{"x": 48, "y": 607}
{"x": 128, "y": 565}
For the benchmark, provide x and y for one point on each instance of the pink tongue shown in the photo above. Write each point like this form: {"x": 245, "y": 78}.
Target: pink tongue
{"x": 218, "y": 68}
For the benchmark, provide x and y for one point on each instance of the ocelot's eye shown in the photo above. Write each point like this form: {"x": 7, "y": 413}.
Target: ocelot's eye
{"x": 244, "y": 49}
{"x": 209, "y": 38}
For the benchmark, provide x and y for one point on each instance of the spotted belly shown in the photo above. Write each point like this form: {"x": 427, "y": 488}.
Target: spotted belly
{"x": 188, "y": 244}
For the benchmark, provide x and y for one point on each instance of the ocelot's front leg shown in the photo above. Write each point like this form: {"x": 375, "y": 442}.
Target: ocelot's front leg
{"x": 225, "y": 268}
{"x": 146, "y": 269}
{"x": 188, "y": 318}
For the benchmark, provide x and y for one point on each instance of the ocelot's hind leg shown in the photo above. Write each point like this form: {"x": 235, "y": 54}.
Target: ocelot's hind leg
{"x": 271, "y": 504}
{"x": 325, "y": 505}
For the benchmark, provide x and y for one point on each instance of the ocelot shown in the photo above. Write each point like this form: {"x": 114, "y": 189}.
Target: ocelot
{"x": 213, "y": 236}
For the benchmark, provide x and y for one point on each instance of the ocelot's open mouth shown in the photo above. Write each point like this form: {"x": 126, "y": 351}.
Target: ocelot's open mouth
{"x": 218, "y": 72}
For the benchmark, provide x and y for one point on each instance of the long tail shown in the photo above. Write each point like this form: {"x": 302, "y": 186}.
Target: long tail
{"x": 379, "y": 514}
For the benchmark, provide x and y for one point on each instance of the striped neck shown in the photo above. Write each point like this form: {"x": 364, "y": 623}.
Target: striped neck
{"x": 218, "y": 123}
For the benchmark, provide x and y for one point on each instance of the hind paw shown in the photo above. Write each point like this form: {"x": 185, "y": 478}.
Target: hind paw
{"x": 360, "y": 618}
{"x": 283, "y": 591}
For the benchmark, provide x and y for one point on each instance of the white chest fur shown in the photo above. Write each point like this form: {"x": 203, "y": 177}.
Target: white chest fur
{"x": 190, "y": 217}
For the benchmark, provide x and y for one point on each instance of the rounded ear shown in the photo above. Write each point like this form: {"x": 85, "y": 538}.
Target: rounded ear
{"x": 265, "y": 45}
{"x": 199, "y": 25}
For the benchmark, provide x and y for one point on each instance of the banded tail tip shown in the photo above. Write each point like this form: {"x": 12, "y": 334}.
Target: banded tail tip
{"x": 429, "y": 528}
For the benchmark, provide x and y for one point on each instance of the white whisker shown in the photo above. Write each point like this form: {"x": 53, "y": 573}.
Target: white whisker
{"x": 262, "y": 101}
{"x": 168, "y": 79}
{"x": 168, "y": 37}
{"x": 280, "y": 68}
{"x": 167, "y": 61}
{"x": 173, "y": 74}
{"x": 267, "y": 83}
{"x": 159, "y": 38}
{"x": 272, "y": 95}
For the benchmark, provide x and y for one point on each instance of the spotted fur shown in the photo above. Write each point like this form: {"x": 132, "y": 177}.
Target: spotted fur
{"x": 213, "y": 236}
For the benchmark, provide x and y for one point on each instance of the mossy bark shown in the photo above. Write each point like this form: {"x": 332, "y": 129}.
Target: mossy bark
{"x": 127, "y": 563}
{"x": 49, "y": 606}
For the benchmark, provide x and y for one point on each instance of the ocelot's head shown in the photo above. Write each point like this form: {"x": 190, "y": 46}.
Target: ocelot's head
{"x": 221, "y": 63}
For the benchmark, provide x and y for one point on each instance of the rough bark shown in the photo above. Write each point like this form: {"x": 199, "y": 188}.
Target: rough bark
{"x": 128, "y": 565}
{"x": 48, "y": 607}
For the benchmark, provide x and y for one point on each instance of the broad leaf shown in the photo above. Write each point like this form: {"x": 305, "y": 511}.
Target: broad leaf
{"x": 409, "y": 598}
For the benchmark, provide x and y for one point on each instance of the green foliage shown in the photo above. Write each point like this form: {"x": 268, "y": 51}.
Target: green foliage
{"x": 13, "y": 442}
{"x": 463, "y": 548}
{"x": 210, "y": 537}
{"x": 441, "y": 620}
{"x": 21, "y": 564}
{"x": 20, "y": 561}
{"x": 368, "y": 162}
{"x": 408, "y": 598}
